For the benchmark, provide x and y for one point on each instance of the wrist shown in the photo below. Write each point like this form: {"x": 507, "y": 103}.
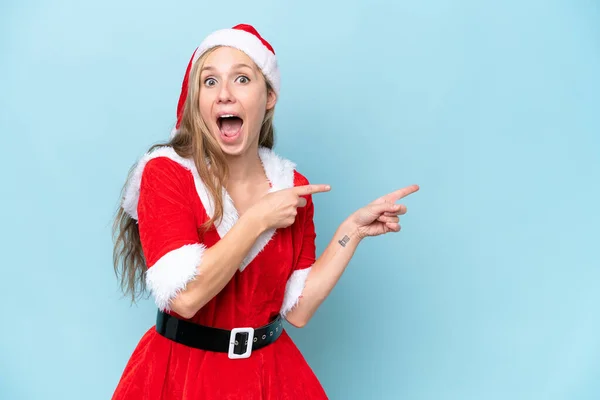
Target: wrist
{"x": 255, "y": 221}
{"x": 351, "y": 230}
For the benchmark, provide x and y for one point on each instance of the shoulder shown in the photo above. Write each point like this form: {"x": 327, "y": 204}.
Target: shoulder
{"x": 161, "y": 167}
{"x": 164, "y": 167}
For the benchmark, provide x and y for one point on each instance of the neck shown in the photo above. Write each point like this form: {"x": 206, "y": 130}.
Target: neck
{"x": 245, "y": 167}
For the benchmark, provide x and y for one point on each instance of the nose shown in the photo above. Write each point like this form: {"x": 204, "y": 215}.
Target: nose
{"x": 225, "y": 95}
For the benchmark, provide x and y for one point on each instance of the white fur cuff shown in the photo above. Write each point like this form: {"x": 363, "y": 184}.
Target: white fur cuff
{"x": 293, "y": 290}
{"x": 172, "y": 272}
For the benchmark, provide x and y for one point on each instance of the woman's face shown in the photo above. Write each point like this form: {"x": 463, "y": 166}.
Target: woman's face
{"x": 233, "y": 99}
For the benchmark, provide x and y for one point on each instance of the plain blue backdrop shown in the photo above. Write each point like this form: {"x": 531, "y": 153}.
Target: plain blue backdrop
{"x": 491, "y": 289}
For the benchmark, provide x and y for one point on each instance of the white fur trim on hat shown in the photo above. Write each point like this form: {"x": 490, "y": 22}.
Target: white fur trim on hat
{"x": 249, "y": 44}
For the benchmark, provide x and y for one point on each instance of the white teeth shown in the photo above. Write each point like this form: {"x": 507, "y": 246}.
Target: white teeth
{"x": 227, "y": 116}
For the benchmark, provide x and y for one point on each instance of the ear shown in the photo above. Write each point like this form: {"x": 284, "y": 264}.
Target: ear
{"x": 271, "y": 99}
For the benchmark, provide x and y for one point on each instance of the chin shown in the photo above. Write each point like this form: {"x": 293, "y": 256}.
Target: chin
{"x": 233, "y": 151}
{"x": 238, "y": 148}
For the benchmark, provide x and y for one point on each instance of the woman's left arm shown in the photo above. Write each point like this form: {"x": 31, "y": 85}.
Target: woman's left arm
{"x": 377, "y": 218}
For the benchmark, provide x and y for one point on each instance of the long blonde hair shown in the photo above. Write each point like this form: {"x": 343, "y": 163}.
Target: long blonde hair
{"x": 194, "y": 141}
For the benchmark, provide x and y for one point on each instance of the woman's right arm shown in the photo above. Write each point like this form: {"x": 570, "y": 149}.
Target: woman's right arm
{"x": 182, "y": 273}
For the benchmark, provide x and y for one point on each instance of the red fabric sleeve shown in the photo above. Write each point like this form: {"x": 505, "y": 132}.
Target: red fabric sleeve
{"x": 167, "y": 227}
{"x": 306, "y": 257}
{"x": 308, "y": 248}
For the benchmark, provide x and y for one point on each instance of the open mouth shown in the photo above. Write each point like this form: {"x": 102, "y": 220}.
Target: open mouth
{"x": 230, "y": 125}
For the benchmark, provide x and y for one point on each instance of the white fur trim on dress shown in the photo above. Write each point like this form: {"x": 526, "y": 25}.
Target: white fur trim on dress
{"x": 171, "y": 273}
{"x": 132, "y": 190}
{"x": 279, "y": 172}
{"x": 293, "y": 289}
{"x": 249, "y": 44}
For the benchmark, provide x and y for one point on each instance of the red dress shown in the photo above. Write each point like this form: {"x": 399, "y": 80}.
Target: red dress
{"x": 170, "y": 202}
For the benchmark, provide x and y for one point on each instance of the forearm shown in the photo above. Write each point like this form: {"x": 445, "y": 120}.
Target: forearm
{"x": 218, "y": 265}
{"x": 325, "y": 273}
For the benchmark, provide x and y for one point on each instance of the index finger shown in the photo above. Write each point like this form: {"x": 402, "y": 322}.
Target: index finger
{"x": 400, "y": 193}
{"x": 311, "y": 189}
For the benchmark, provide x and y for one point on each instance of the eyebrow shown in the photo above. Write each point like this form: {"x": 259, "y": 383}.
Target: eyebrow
{"x": 240, "y": 65}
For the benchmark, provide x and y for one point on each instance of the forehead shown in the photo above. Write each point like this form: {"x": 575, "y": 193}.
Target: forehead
{"x": 224, "y": 58}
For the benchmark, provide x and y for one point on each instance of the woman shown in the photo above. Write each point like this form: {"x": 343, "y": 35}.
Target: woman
{"x": 220, "y": 229}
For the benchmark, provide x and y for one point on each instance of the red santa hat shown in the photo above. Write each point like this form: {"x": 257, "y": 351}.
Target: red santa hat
{"x": 245, "y": 38}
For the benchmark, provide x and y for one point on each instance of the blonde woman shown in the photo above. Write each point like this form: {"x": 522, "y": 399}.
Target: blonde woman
{"x": 220, "y": 230}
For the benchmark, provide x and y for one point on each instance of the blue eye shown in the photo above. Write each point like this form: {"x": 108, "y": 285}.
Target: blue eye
{"x": 243, "y": 79}
{"x": 210, "y": 82}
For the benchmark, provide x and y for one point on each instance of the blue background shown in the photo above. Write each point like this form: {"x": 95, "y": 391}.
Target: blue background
{"x": 491, "y": 289}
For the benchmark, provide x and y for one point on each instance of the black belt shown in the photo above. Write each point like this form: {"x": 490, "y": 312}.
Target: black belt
{"x": 234, "y": 342}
